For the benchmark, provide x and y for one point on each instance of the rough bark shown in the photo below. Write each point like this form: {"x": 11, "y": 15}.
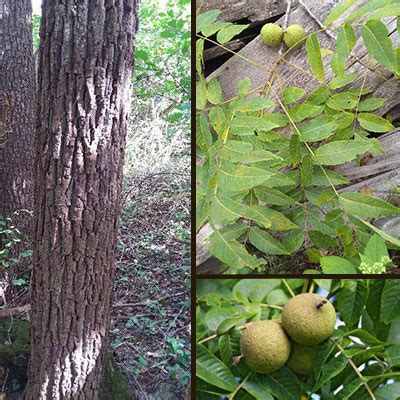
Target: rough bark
{"x": 17, "y": 111}
{"x": 252, "y": 10}
{"x": 85, "y": 65}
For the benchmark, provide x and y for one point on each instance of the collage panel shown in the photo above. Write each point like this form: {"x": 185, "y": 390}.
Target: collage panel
{"x": 297, "y": 339}
{"x": 95, "y": 199}
{"x": 297, "y": 137}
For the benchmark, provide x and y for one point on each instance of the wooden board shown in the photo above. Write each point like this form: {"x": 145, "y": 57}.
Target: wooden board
{"x": 235, "y": 69}
{"x": 236, "y": 10}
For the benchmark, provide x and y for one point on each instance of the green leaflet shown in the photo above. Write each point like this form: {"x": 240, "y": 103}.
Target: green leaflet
{"x": 227, "y": 33}
{"x": 375, "y": 36}
{"x": 256, "y": 104}
{"x": 314, "y": 57}
{"x": 238, "y": 178}
{"x": 199, "y": 55}
{"x": 214, "y": 92}
{"x": 341, "y": 81}
{"x": 343, "y": 101}
{"x": 205, "y": 19}
{"x": 337, "y": 11}
{"x": 381, "y": 233}
{"x": 257, "y": 390}
{"x": 212, "y": 370}
{"x": 213, "y": 28}
{"x": 306, "y": 170}
{"x": 321, "y": 240}
{"x": 283, "y": 384}
{"x": 336, "y": 265}
{"x": 231, "y": 252}
{"x": 237, "y": 151}
{"x": 341, "y": 151}
{"x": 338, "y": 66}
{"x": 390, "y": 300}
{"x": 278, "y": 221}
{"x": 292, "y": 94}
{"x": 303, "y": 111}
{"x": 234, "y": 231}
{"x": 201, "y": 94}
{"x": 390, "y": 10}
{"x": 252, "y": 123}
{"x": 264, "y": 242}
{"x": 373, "y": 103}
{"x": 319, "y": 128}
{"x": 367, "y": 8}
{"x": 218, "y": 120}
{"x": 351, "y": 300}
{"x": 319, "y": 96}
{"x": 346, "y": 40}
{"x": 363, "y": 205}
{"x": 374, "y": 123}
{"x": 225, "y": 210}
{"x": 273, "y": 196}
{"x": 203, "y": 134}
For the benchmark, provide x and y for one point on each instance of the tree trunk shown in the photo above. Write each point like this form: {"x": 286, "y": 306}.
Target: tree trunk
{"x": 85, "y": 66}
{"x": 17, "y": 111}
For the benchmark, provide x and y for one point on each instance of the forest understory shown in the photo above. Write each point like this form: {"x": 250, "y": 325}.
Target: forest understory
{"x": 150, "y": 327}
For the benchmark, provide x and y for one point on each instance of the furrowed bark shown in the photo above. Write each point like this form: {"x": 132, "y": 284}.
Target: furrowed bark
{"x": 86, "y": 61}
{"x": 17, "y": 112}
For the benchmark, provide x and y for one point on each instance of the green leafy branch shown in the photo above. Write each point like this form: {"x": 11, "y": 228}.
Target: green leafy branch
{"x": 243, "y": 155}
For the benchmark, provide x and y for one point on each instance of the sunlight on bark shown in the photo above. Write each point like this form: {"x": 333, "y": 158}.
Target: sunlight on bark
{"x": 71, "y": 373}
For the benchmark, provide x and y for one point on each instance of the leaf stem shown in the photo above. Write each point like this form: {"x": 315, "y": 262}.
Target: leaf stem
{"x": 235, "y": 392}
{"x": 356, "y": 370}
{"x": 235, "y": 53}
{"x": 271, "y": 306}
{"x": 288, "y": 288}
{"x": 216, "y": 335}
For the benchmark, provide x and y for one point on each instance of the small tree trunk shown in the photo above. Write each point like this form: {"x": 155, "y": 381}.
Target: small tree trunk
{"x": 86, "y": 61}
{"x": 17, "y": 111}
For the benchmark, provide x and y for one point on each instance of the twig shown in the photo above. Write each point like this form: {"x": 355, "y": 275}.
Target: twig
{"x": 286, "y": 20}
{"x": 318, "y": 22}
{"x": 147, "y": 302}
{"x": 14, "y": 312}
{"x": 354, "y": 366}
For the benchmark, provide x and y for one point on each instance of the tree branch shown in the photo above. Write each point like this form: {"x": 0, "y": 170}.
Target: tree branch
{"x": 14, "y": 312}
{"x": 354, "y": 366}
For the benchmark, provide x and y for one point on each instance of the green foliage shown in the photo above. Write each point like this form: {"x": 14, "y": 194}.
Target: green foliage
{"x": 162, "y": 58}
{"x": 367, "y": 321}
{"x": 35, "y": 31}
{"x": 115, "y": 385}
{"x": 10, "y": 238}
{"x": 267, "y": 156}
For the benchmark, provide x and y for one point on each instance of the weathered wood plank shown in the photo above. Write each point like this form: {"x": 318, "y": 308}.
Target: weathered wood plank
{"x": 253, "y": 10}
{"x": 235, "y": 69}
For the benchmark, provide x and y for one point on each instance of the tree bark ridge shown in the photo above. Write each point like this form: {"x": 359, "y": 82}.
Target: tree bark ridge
{"x": 86, "y": 60}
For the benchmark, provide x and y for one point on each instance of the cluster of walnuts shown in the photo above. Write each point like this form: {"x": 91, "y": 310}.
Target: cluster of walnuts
{"x": 293, "y": 35}
{"x": 307, "y": 320}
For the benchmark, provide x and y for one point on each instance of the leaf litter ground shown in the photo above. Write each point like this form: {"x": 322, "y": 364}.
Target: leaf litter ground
{"x": 150, "y": 332}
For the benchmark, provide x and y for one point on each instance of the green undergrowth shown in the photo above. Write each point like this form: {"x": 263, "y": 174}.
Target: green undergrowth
{"x": 151, "y": 339}
{"x": 115, "y": 384}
